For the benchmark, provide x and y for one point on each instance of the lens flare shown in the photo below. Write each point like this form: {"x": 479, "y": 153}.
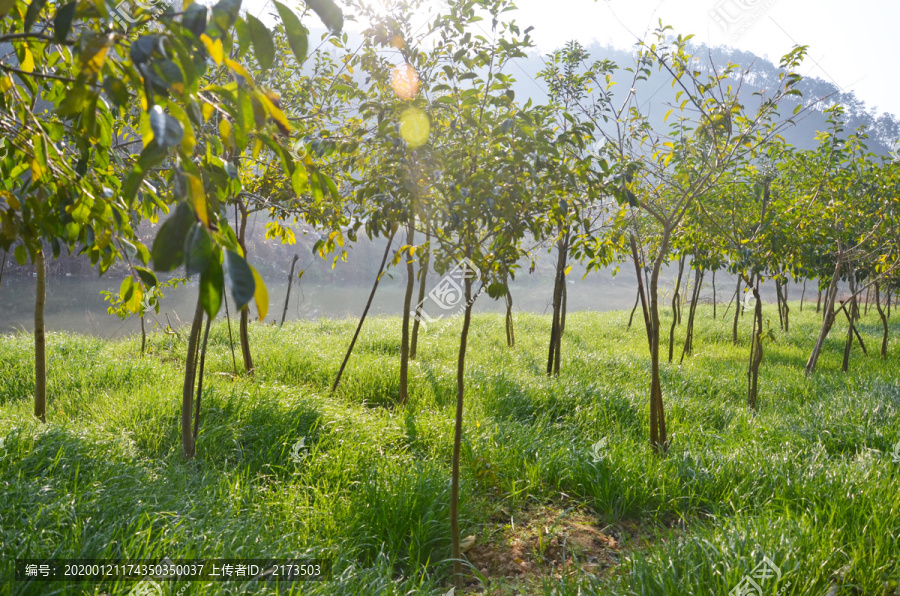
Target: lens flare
{"x": 414, "y": 127}
{"x": 405, "y": 81}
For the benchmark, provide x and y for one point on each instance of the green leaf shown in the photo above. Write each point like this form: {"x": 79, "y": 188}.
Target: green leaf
{"x": 147, "y": 276}
{"x": 31, "y": 15}
{"x": 150, "y": 156}
{"x": 240, "y": 279}
{"x": 296, "y": 32}
{"x": 195, "y": 18}
{"x": 329, "y": 12}
{"x": 21, "y": 254}
{"x": 168, "y": 246}
{"x": 212, "y": 284}
{"x": 198, "y": 250}
{"x": 263, "y": 46}
{"x": 116, "y": 91}
{"x": 62, "y": 22}
{"x": 167, "y": 131}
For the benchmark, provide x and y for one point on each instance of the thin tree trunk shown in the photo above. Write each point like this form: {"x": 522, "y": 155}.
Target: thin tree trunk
{"x": 287, "y": 297}
{"x": 737, "y": 311}
{"x": 854, "y": 330}
{"x": 689, "y": 332}
{"x": 190, "y": 375}
{"x": 676, "y": 317}
{"x": 714, "y": 292}
{"x": 387, "y": 250}
{"x": 802, "y": 295}
{"x": 819, "y": 301}
{"x": 456, "y": 553}
{"x": 407, "y": 302}
{"x": 756, "y": 350}
{"x": 3, "y": 267}
{"x": 658, "y": 439}
{"x": 244, "y": 330}
{"x": 641, "y": 291}
{"x": 510, "y": 330}
{"x": 866, "y": 309}
{"x": 780, "y": 304}
{"x": 884, "y": 323}
{"x": 143, "y": 333}
{"x": 423, "y": 277}
{"x": 637, "y": 300}
{"x": 827, "y": 317}
{"x": 200, "y": 378}
{"x": 787, "y": 309}
{"x": 557, "y": 307}
{"x": 40, "y": 339}
{"x": 230, "y": 337}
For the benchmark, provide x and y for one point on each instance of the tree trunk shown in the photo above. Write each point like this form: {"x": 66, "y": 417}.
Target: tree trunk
{"x": 658, "y": 439}
{"x": 641, "y": 291}
{"x": 827, "y": 318}
{"x": 802, "y": 295}
{"x": 637, "y": 300}
{"x": 737, "y": 311}
{"x": 756, "y": 350}
{"x": 689, "y": 332}
{"x": 510, "y": 330}
{"x": 714, "y": 292}
{"x": 40, "y": 340}
{"x": 387, "y": 250}
{"x": 287, "y": 297}
{"x": 423, "y": 277}
{"x": 884, "y": 323}
{"x": 407, "y": 303}
{"x": 230, "y": 337}
{"x": 200, "y": 378}
{"x": 3, "y": 267}
{"x": 143, "y": 333}
{"x": 187, "y": 391}
{"x": 819, "y": 301}
{"x": 457, "y": 438}
{"x": 676, "y": 309}
{"x": 787, "y": 309}
{"x": 555, "y": 328}
{"x": 244, "y": 331}
{"x": 780, "y": 303}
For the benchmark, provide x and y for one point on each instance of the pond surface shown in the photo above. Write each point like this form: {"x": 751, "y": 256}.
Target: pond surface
{"x": 75, "y": 303}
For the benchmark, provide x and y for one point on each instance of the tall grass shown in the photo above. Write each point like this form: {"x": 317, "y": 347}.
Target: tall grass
{"x": 807, "y": 481}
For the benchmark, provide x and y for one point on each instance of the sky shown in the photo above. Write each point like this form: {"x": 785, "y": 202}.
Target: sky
{"x": 851, "y": 44}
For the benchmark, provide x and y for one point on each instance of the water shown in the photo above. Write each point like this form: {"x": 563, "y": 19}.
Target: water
{"x": 75, "y": 304}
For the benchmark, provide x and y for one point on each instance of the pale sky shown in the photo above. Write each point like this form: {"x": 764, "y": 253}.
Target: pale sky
{"x": 852, "y": 44}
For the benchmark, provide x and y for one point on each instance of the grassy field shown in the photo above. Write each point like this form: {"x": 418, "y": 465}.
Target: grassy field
{"x": 560, "y": 488}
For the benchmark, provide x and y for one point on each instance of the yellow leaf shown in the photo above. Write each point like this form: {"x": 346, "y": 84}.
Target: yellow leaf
{"x": 238, "y": 69}
{"x": 225, "y": 132}
{"x": 275, "y": 112}
{"x": 198, "y": 197}
{"x": 95, "y": 63}
{"x": 5, "y": 84}
{"x": 260, "y": 295}
{"x": 207, "y": 111}
{"x": 27, "y": 60}
{"x": 214, "y": 47}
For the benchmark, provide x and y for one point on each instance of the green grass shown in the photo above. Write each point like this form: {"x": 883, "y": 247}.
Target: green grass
{"x": 808, "y": 481}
